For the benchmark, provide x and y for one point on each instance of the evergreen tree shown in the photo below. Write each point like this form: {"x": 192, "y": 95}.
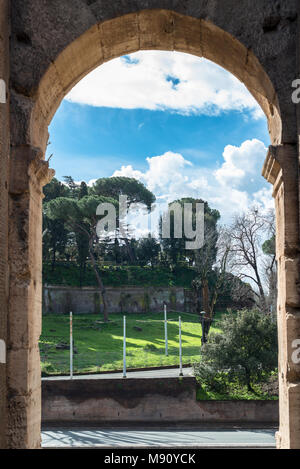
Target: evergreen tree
{"x": 80, "y": 216}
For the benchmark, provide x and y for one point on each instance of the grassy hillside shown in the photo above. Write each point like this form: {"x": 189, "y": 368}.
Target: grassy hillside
{"x": 99, "y": 346}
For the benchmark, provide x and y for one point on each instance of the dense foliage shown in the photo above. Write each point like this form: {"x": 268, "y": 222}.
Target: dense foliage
{"x": 68, "y": 273}
{"x": 245, "y": 351}
{"x": 73, "y": 253}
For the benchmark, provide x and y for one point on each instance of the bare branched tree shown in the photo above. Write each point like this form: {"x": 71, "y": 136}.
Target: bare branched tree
{"x": 215, "y": 255}
{"x": 204, "y": 261}
{"x": 247, "y": 260}
{"x": 269, "y": 262}
{"x": 221, "y": 266}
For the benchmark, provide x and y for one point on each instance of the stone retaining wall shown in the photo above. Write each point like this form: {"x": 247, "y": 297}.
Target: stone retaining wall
{"x": 154, "y": 400}
{"x": 60, "y": 299}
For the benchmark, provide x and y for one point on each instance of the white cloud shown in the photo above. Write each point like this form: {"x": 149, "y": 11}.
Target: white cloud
{"x": 232, "y": 188}
{"x": 165, "y": 176}
{"x": 264, "y": 198}
{"x": 129, "y": 172}
{"x": 241, "y": 163}
{"x": 156, "y": 80}
{"x": 90, "y": 183}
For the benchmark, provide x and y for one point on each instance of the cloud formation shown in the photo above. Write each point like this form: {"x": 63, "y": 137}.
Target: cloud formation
{"x": 157, "y": 80}
{"x": 241, "y": 163}
{"x": 232, "y": 188}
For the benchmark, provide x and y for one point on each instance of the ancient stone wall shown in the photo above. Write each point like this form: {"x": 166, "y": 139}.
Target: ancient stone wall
{"x": 4, "y": 158}
{"x": 62, "y": 300}
{"x": 259, "y": 36}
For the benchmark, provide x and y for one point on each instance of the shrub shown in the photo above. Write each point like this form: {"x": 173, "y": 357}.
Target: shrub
{"x": 244, "y": 352}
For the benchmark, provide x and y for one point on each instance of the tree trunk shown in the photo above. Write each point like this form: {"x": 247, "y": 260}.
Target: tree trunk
{"x": 250, "y": 389}
{"x": 99, "y": 280}
{"x": 81, "y": 273}
{"x": 205, "y": 296}
{"x": 130, "y": 252}
{"x": 248, "y": 380}
{"x": 53, "y": 259}
{"x": 261, "y": 291}
{"x": 206, "y": 324}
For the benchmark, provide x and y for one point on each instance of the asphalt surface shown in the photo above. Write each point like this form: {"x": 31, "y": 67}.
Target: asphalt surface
{"x": 128, "y": 438}
{"x": 153, "y": 438}
{"x": 164, "y": 373}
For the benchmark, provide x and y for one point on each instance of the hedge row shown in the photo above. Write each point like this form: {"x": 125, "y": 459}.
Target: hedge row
{"x": 69, "y": 274}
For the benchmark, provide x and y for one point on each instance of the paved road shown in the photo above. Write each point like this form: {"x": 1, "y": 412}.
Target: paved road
{"x": 166, "y": 373}
{"x": 134, "y": 438}
{"x": 126, "y": 438}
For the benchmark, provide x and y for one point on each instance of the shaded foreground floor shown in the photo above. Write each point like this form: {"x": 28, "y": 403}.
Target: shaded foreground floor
{"x": 129, "y": 438}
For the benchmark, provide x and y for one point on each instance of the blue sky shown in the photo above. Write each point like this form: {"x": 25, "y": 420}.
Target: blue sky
{"x": 180, "y": 124}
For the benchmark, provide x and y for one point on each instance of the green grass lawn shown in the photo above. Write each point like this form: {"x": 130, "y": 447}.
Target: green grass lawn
{"x": 99, "y": 346}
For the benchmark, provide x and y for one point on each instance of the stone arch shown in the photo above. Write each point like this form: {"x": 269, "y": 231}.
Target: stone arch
{"x": 51, "y": 49}
{"x": 150, "y": 30}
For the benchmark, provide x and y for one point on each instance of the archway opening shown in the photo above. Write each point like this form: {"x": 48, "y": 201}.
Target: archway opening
{"x": 184, "y": 104}
{"x": 155, "y": 29}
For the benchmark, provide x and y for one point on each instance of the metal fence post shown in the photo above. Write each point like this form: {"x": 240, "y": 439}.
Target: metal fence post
{"x": 180, "y": 349}
{"x": 166, "y": 330}
{"x": 71, "y": 346}
{"x": 124, "y": 347}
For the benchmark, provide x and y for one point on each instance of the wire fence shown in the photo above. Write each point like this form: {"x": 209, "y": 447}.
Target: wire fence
{"x": 99, "y": 347}
{"x": 106, "y": 361}
{"x": 112, "y": 361}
